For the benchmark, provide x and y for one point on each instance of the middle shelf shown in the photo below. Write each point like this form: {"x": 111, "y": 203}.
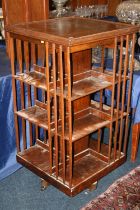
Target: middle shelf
{"x": 83, "y": 84}
{"x": 84, "y": 122}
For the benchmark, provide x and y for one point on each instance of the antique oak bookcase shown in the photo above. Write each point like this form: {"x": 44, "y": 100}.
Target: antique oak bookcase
{"x": 63, "y": 134}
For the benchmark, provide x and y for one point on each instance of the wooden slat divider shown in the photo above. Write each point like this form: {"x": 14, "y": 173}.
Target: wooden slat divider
{"x": 68, "y": 68}
{"x": 131, "y": 66}
{"x": 122, "y": 121}
{"x": 112, "y": 98}
{"x": 101, "y": 99}
{"x": 63, "y": 149}
{"x": 22, "y": 92}
{"x": 55, "y": 109}
{"x": 12, "y": 56}
{"x": 101, "y": 95}
{"x": 34, "y": 61}
{"x": 41, "y": 53}
{"x": 19, "y": 54}
{"x": 33, "y": 53}
{"x": 27, "y": 55}
{"x": 44, "y": 106}
{"x": 118, "y": 97}
{"x": 48, "y": 108}
{"x": 27, "y": 65}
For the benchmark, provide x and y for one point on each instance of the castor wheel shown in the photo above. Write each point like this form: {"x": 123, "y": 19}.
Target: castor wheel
{"x": 93, "y": 186}
{"x": 44, "y": 184}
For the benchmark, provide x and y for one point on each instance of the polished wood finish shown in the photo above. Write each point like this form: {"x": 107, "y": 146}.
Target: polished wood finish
{"x": 135, "y": 140}
{"x": 18, "y": 11}
{"x": 69, "y": 32}
{"x": 63, "y": 128}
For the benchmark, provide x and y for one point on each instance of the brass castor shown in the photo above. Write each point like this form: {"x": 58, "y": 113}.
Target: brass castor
{"x": 44, "y": 184}
{"x": 93, "y": 186}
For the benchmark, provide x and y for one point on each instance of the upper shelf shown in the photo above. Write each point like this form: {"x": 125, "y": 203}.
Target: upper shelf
{"x": 89, "y": 83}
{"x": 33, "y": 78}
{"x": 92, "y": 82}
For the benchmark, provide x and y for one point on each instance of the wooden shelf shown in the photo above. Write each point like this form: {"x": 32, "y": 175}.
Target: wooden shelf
{"x": 85, "y": 122}
{"x": 87, "y": 168}
{"x": 32, "y": 78}
{"x": 107, "y": 110}
{"x": 35, "y": 115}
{"x": 92, "y": 82}
{"x": 88, "y": 122}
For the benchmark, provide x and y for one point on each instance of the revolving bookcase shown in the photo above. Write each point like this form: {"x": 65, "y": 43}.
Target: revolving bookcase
{"x": 66, "y": 133}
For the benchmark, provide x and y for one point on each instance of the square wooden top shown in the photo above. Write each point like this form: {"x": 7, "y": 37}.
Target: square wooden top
{"x": 71, "y": 31}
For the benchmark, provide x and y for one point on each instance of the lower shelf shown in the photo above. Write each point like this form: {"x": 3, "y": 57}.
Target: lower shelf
{"x": 87, "y": 169}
